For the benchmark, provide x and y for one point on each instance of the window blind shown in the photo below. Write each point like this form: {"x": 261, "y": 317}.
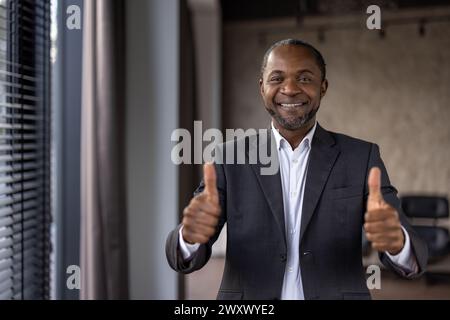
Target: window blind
{"x": 24, "y": 149}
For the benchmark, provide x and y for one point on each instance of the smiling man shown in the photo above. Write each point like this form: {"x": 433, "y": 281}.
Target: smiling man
{"x": 293, "y": 81}
{"x": 297, "y": 234}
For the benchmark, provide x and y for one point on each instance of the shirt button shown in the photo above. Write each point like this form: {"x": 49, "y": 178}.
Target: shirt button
{"x": 290, "y": 269}
{"x": 295, "y": 161}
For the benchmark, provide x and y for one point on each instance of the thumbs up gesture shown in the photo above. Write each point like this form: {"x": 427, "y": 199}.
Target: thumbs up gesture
{"x": 382, "y": 225}
{"x": 201, "y": 216}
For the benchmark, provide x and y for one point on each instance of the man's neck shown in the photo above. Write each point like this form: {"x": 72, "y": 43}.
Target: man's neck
{"x": 295, "y": 137}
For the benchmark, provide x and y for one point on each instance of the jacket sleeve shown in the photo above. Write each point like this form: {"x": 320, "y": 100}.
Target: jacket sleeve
{"x": 418, "y": 246}
{"x": 201, "y": 257}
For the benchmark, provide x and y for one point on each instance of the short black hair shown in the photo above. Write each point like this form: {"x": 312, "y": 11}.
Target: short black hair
{"x": 295, "y": 42}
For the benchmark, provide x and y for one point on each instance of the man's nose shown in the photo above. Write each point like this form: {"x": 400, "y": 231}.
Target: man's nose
{"x": 291, "y": 88}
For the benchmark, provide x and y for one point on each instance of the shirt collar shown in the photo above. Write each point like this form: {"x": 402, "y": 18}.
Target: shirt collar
{"x": 281, "y": 141}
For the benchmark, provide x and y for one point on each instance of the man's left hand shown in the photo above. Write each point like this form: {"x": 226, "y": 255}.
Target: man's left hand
{"x": 382, "y": 225}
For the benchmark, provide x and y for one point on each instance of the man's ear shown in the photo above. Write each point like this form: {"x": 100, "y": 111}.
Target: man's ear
{"x": 261, "y": 86}
{"x": 323, "y": 88}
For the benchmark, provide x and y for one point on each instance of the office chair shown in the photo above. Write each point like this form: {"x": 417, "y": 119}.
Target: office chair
{"x": 435, "y": 208}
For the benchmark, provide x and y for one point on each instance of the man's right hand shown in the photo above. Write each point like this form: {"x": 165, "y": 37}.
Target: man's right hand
{"x": 201, "y": 216}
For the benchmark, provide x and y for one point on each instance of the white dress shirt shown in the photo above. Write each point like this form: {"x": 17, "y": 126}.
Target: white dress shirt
{"x": 293, "y": 169}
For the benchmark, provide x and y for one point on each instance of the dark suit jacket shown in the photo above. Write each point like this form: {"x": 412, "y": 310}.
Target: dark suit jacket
{"x": 331, "y": 224}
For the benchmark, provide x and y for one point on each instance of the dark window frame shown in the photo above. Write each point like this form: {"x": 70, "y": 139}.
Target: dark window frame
{"x": 67, "y": 144}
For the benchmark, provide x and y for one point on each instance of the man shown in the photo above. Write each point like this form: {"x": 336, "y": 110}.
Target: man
{"x": 297, "y": 234}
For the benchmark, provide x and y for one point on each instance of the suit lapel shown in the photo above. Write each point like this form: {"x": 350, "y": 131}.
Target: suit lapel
{"x": 270, "y": 184}
{"x": 321, "y": 160}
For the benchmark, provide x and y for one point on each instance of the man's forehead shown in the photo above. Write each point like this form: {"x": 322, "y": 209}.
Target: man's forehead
{"x": 289, "y": 55}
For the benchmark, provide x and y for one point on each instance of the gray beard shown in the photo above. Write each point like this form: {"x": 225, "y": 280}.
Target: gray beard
{"x": 293, "y": 124}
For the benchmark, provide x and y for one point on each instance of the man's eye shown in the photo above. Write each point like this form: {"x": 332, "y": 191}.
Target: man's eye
{"x": 276, "y": 79}
{"x": 305, "y": 80}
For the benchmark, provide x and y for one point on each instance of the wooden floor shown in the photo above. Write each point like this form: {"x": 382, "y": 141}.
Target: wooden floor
{"x": 204, "y": 284}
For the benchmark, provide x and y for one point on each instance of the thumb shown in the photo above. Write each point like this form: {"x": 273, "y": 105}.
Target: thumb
{"x": 375, "y": 199}
{"x": 209, "y": 176}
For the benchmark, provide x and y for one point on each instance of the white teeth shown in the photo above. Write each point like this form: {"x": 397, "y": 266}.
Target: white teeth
{"x": 292, "y": 104}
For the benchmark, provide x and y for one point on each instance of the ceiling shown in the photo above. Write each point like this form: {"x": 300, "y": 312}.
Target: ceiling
{"x": 235, "y": 10}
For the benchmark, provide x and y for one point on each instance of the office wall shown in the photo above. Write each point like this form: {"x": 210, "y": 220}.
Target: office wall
{"x": 394, "y": 91}
{"x": 152, "y": 115}
{"x": 206, "y": 20}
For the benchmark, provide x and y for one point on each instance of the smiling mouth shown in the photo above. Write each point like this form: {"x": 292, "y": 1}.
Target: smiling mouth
{"x": 292, "y": 105}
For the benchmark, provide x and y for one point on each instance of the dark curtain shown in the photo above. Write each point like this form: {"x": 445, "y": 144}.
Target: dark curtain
{"x": 188, "y": 176}
{"x": 104, "y": 260}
